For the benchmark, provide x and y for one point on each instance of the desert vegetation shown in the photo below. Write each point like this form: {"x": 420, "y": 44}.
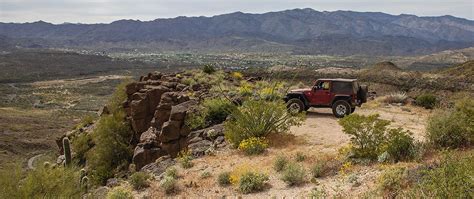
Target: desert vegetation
{"x": 241, "y": 124}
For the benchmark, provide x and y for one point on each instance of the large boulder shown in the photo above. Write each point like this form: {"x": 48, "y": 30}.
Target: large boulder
{"x": 172, "y": 148}
{"x": 170, "y": 131}
{"x": 143, "y": 156}
{"x": 178, "y": 112}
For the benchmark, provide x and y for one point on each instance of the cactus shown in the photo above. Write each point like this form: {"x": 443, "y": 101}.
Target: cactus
{"x": 67, "y": 151}
{"x": 85, "y": 183}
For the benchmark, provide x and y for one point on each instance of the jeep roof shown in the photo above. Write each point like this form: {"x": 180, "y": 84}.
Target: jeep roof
{"x": 337, "y": 79}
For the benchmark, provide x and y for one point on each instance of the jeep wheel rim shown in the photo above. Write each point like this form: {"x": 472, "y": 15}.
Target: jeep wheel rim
{"x": 294, "y": 108}
{"x": 341, "y": 109}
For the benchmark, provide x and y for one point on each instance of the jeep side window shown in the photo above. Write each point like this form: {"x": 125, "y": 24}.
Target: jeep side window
{"x": 322, "y": 85}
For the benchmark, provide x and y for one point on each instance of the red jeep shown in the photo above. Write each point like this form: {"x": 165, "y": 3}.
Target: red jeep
{"x": 342, "y": 95}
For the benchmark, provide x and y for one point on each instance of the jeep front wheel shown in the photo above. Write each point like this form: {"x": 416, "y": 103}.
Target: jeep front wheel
{"x": 295, "y": 105}
{"x": 341, "y": 108}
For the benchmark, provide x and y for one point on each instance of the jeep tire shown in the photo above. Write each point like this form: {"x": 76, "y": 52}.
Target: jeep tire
{"x": 295, "y": 105}
{"x": 341, "y": 108}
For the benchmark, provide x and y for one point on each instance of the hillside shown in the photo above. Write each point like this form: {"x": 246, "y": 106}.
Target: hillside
{"x": 32, "y": 65}
{"x": 464, "y": 70}
{"x": 300, "y": 31}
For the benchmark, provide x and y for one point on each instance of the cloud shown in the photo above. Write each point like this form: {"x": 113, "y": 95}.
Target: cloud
{"x": 105, "y": 11}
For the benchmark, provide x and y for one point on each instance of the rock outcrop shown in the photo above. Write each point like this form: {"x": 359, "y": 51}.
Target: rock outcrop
{"x": 156, "y": 108}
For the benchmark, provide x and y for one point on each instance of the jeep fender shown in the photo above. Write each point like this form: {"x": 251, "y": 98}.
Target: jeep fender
{"x": 299, "y": 96}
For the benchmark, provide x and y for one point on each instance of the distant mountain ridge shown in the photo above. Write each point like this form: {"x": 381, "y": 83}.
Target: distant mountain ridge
{"x": 300, "y": 31}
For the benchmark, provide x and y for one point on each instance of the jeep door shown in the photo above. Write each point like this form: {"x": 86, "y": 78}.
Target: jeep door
{"x": 321, "y": 94}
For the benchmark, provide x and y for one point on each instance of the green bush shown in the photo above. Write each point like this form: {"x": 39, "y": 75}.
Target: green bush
{"x": 185, "y": 159}
{"x": 62, "y": 182}
{"x": 252, "y": 182}
{"x": 81, "y": 144}
{"x": 205, "y": 174}
{"x": 223, "y": 179}
{"x": 211, "y": 111}
{"x": 367, "y": 134}
{"x": 172, "y": 172}
{"x": 168, "y": 184}
{"x": 253, "y": 146}
{"x": 293, "y": 174}
{"x": 217, "y": 110}
{"x": 111, "y": 137}
{"x": 120, "y": 192}
{"x": 325, "y": 167}
{"x": 400, "y": 145}
{"x": 393, "y": 181}
{"x": 208, "y": 69}
{"x": 280, "y": 163}
{"x": 317, "y": 169}
{"x": 452, "y": 128}
{"x": 300, "y": 157}
{"x": 139, "y": 180}
{"x": 371, "y": 138}
{"x": 452, "y": 178}
{"x": 258, "y": 119}
{"x": 426, "y": 100}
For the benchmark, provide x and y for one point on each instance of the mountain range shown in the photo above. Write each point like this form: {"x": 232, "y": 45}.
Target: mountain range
{"x": 298, "y": 31}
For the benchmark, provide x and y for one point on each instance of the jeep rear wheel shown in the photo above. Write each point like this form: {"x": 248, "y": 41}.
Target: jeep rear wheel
{"x": 341, "y": 108}
{"x": 295, "y": 105}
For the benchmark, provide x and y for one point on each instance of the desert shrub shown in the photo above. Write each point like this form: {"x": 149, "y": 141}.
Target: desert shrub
{"x": 211, "y": 111}
{"x": 111, "y": 152}
{"x": 300, "y": 157}
{"x": 208, "y": 69}
{"x": 393, "y": 181}
{"x": 168, "y": 184}
{"x": 81, "y": 144}
{"x": 245, "y": 89}
{"x": 318, "y": 193}
{"x": 280, "y": 163}
{"x": 120, "y": 192}
{"x": 426, "y": 100}
{"x": 86, "y": 120}
{"x": 185, "y": 159}
{"x": 252, "y": 182}
{"x": 452, "y": 178}
{"x": 258, "y": 119}
{"x": 237, "y": 75}
{"x": 223, "y": 179}
{"x": 253, "y": 146}
{"x": 139, "y": 180}
{"x": 217, "y": 110}
{"x": 111, "y": 137}
{"x": 371, "y": 138}
{"x": 205, "y": 174}
{"x": 317, "y": 170}
{"x": 172, "y": 172}
{"x": 397, "y": 97}
{"x": 454, "y": 127}
{"x": 400, "y": 145}
{"x": 367, "y": 134}
{"x": 196, "y": 120}
{"x": 39, "y": 183}
{"x": 293, "y": 174}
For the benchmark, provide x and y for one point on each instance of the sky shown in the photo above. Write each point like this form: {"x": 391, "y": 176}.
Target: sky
{"x": 106, "y": 11}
